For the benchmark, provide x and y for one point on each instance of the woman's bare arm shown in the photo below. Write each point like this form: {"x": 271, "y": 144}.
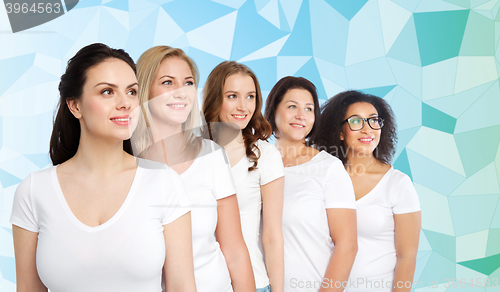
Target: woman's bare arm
{"x": 25, "y": 243}
{"x": 230, "y": 238}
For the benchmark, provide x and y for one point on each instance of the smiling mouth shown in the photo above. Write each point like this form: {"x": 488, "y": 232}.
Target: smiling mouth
{"x": 122, "y": 119}
{"x": 366, "y": 139}
{"x": 298, "y": 126}
{"x": 177, "y": 106}
{"x": 239, "y": 117}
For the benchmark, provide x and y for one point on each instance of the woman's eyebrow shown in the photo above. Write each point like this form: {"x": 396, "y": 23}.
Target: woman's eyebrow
{"x": 106, "y": 83}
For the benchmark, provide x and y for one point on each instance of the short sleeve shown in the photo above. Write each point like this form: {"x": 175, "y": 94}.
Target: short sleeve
{"x": 22, "y": 209}
{"x": 223, "y": 179}
{"x": 178, "y": 202}
{"x": 339, "y": 192}
{"x": 270, "y": 165}
{"x": 406, "y": 200}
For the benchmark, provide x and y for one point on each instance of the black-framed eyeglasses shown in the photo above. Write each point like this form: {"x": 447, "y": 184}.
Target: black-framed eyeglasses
{"x": 357, "y": 123}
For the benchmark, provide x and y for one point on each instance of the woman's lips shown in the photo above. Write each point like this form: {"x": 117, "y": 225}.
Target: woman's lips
{"x": 122, "y": 120}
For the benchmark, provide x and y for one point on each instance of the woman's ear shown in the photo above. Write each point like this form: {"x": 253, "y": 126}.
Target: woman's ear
{"x": 74, "y": 108}
{"x": 341, "y": 136}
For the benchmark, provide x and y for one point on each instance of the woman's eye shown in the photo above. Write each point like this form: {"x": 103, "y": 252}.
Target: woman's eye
{"x": 231, "y": 96}
{"x": 189, "y": 83}
{"x": 106, "y": 92}
{"x": 251, "y": 96}
{"x": 132, "y": 92}
{"x": 291, "y": 106}
{"x": 167, "y": 82}
{"x": 309, "y": 109}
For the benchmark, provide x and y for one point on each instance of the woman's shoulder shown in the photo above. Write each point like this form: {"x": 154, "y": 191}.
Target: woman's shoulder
{"x": 264, "y": 144}
{"x": 154, "y": 169}
{"x": 398, "y": 181}
{"x": 398, "y": 177}
{"x": 329, "y": 160}
{"x": 266, "y": 147}
{"x": 147, "y": 164}
{"x": 208, "y": 145}
{"x": 38, "y": 176}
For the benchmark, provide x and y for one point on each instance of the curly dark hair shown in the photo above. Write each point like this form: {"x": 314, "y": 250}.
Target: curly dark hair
{"x": 276, "y": 96}
{"x": 333, "y": 114}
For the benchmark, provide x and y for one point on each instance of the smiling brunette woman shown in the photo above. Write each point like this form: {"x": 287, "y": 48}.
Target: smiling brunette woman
{"x": 169, "y": 134}
{"x": 95, "y": 221}
{"x": 360, "y": 130}
{"x": 232, "y": 95}
{"x": 319, "y": 220}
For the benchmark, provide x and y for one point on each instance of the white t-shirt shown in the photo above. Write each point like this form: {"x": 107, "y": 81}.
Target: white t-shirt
{"x": 126, "y": 253}
{"x": 310, "y": 189}
{"x": 269, "y": 168}
{"x": 207, "y": 180}
{"x": 373, "y": 269}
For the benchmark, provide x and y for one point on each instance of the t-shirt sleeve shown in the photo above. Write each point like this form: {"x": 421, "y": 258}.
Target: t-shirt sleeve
{"x": 339, "y": 192}
{"x": 22, "y": 209}
{"x": 406, "y": 200}
{"x": 270, "y": 164}
{"x": 178, "y": 202}
{"x": 223, "y": 179}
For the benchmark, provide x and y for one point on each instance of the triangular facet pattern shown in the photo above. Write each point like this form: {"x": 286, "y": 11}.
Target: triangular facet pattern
{"x": 436, "y": 62}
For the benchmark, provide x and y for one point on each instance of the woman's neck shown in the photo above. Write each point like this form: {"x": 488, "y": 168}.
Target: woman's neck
{"x": 357, "y": 161}
{"x": 168, "y": 143}
{"x": 291, "y": 149}
{"x": 237, "y": 142}
{"x": 163, "y": 131}
{"x": 101, "y": 156}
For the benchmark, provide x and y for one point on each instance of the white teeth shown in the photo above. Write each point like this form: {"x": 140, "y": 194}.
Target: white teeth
{"x": 365, "y": 140}
{"x": 239, "y": 117}
{"x": 177, "y": 105}
{"x": 122, "y": 120}
{"x": 297, "y": 125}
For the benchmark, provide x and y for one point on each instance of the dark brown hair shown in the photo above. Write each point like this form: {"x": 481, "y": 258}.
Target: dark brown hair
{"x": 276, "y": 96}
{"x": 66, "y": 130}
{"x": 213, "y": 97}
{"x": 333, "y": 115}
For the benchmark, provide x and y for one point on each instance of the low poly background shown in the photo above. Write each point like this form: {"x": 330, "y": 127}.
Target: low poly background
{"x": 437, "y": 62}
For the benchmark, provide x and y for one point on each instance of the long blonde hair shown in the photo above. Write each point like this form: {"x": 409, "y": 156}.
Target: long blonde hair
{"x": 147, "y": 68}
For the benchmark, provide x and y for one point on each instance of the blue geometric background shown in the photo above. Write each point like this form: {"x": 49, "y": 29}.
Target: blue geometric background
{"x": 437, "y": 62}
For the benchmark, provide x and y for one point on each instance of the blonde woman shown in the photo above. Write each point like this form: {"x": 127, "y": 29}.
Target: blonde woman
{"x": 232, "y": 95}
{"x": 168, "y": 134}
{"x": 97, "y": 221}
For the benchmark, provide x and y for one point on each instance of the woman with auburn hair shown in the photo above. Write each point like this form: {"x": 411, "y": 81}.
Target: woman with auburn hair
{"x": 360, "y": 130}
{"x": 232, "y": 95}
{"x": 97, "y": 221}
{"x": 168, "y": 133}
{"x": 319, "y": 216}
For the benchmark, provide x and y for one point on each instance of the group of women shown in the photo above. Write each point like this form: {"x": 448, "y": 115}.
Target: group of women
{"x": 147, "y": 192}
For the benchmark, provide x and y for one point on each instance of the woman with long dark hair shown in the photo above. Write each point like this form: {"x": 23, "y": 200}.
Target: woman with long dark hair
{"x": 319, "y": 220}
{"x": 360, "y": 130}
{"x": 232, "y": 95}
{"x": 96, "y": 221}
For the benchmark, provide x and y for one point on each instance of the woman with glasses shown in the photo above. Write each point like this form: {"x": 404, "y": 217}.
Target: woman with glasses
{"x": 319, "y": 220}
{"x": 360, "y": 130}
